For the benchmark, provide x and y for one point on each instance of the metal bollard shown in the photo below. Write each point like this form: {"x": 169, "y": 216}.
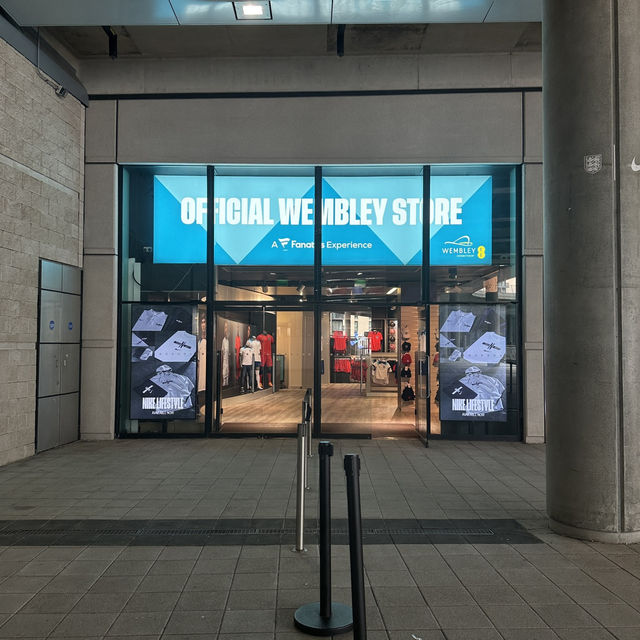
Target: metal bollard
{"x": 307, "y": 438}
{"x": 300, "y": 487}
{"x": 352, "y": 469}
{"x": 324, "y": 618}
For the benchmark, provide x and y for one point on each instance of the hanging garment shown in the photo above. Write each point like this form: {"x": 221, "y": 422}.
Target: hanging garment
{"x": 375, "y": 340}
{"x": 408, "y": 393}
{"x": 380, "y": 371}
{"x": 342, "y": 365}
{"x": 339, "y": 342}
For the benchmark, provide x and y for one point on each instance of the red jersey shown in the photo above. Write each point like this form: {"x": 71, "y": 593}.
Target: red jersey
{"x": 339, "y": 341}
{"x": 375, "y": 340}
{"x": 266, "y": 340}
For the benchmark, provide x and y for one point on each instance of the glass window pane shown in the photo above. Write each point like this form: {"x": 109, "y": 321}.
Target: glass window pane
{"x": 473, "y": 238}
{"x": 264, "y": 231}
{"x": 164, "y": 239}
{"x": 372, "y": 233}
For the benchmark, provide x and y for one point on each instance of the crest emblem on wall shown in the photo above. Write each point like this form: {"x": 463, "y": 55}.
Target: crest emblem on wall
{"x": 593, "y": 163}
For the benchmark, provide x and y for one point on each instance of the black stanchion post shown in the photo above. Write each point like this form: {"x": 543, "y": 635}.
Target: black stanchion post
{"x": 352, "y": 469}
{"x": 324, "y": 618}
{"x": 325, "y": 451}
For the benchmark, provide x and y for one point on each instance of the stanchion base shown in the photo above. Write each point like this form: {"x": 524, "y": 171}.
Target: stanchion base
{"x": 307, "y": 618}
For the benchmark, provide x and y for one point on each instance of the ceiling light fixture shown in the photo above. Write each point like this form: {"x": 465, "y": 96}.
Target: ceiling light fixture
{"x": 253, "y": 10}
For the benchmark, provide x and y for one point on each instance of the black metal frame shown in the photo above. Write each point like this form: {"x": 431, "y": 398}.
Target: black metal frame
{"x": 212, "y": 421}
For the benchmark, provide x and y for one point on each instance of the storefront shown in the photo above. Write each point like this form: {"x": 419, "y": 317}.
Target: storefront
{"x": 236, "y": 298}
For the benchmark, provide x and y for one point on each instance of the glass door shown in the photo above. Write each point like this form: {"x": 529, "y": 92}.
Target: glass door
{"x": 265, "y": 365}
{"x": 369, "y": 363}
{"x": 423, "y": 375}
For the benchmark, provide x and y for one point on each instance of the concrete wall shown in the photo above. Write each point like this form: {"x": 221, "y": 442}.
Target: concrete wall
{"x": 326, "y": 73}
{"x": 480, "y": 126}
{"x": 41, "y": 203}
{"x": 100, "y": 305}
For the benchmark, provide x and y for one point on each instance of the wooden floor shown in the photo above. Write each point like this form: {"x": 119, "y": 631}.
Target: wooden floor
{"x": 344, "y": 410}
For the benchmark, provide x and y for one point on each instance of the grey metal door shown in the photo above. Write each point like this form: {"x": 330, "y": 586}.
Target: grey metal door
{"x": 68, "y": 418}
{"x": 48, "y": 429}
{"x": 58, "y": 355}
{"x": 69, "y": 368}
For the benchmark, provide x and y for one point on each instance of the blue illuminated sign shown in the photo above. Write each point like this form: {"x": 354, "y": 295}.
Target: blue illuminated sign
{"x": 366, "y": 221}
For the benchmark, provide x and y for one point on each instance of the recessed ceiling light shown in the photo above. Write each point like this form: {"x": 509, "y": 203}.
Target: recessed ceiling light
{"x": 253, "y": 10}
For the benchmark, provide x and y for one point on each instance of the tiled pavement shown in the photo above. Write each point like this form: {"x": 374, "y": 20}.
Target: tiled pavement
{"x": 454, "y": 590}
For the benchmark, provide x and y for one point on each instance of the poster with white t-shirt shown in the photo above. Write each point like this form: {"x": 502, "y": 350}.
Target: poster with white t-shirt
{"x": 473, "y": 367}
{"x": 163, "y": 362}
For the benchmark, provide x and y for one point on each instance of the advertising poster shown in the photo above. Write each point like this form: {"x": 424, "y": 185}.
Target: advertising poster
{"x": 473, "y": 367}
{"x": 163, "y": 362}
{"x": 366, "y": 220}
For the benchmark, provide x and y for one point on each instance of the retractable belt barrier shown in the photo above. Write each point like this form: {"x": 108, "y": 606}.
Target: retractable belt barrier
{"x": 324, "y": 618}
{"x": 352, "y": 470}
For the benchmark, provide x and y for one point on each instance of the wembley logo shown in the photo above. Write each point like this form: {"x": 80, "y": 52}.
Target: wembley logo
{"x": 462, "y": 241}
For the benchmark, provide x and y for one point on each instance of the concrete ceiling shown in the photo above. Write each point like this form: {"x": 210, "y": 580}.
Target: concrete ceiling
{"x": 221, "y": 12}
{"x": 303, "y": 40}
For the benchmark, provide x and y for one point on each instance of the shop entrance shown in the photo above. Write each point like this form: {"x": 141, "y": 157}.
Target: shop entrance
{"x": 374, "y": 378}
{"x": 368, "y": 379}
{"x": 264, "y": 367}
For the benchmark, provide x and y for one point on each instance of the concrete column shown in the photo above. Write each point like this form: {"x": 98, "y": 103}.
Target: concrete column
{"x": 592, "y": 267}
{"x": 532, "y": 312}
{"x": 100, "y": 292}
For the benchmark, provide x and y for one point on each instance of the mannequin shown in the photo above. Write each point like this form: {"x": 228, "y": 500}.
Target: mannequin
{"x": 266, "y": 340}
{"x": 246, "y": 361}
{"x": 255, "y": 345}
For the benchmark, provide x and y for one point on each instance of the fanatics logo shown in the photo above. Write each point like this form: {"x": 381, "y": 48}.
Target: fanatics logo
{"x": 593, "y": 163}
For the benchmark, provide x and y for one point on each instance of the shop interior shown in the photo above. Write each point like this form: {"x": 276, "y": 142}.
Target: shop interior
{"x": 370, "y": 364}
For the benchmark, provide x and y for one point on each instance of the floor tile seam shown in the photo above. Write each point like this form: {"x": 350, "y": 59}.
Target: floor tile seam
{"x": 264, "y": 484}
{"x": 418, "y": 586}
{"x": 402, "y": 489}
{"x": 228, "y": 596}
{"x": 51, "y": 634}
{"x": 443, "y": 476}
{"x": 490, "y": 452}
